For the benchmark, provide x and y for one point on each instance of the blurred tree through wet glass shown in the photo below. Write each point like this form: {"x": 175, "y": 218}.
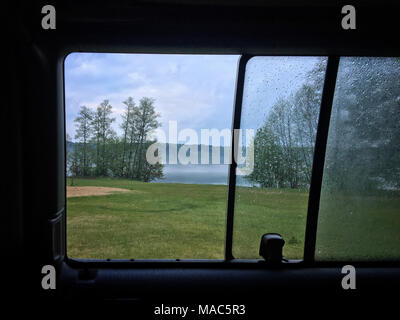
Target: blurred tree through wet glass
{"x": 281, "y": 102}
{"x": 359, "y": 216}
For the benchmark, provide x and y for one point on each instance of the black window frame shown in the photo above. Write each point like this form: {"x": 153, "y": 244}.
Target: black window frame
{"x": 313, "y": 199}
{"x": 317, "y": 170}
{"x": 318, "y": 157}
{"x": 35, "y": 222}
{"x": 282, "y": 31}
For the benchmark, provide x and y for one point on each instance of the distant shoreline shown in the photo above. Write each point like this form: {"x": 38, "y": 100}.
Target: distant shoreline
{"x": 200, "y": 174}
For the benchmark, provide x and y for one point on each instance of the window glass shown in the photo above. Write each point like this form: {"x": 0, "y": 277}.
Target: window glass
{"x": 359, "y": 215}
{"x": 281, "y": 103}
{"x": 148, "y": 144}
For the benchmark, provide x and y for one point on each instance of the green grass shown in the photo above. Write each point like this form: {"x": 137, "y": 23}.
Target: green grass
{"x": 183, "y": 221}
{"x": 355, "y": 228}
{"x": 259, "y": 211}
{"x": 171, "y": 221}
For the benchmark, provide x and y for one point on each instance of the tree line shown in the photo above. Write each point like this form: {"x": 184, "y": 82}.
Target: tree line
{"x": 284, "y": 145}
{"x": 100, "y": 152}
{"x": 364, "y": 137}
{"x": 365, "y": 127}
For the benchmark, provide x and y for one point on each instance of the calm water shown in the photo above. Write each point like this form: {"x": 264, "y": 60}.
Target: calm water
{"x": 199, "y": 174}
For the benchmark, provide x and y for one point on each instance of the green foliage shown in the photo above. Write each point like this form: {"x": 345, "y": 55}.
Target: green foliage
{"x": 102, "y": 134}
{"x": 99, "y": 152}
{"x": 267, "y": 169}
{"x": 284, "y": 145}
{"x": 82, "y": 158}
{"x": 144, "y": 120}
{"x": 364, "y": 137}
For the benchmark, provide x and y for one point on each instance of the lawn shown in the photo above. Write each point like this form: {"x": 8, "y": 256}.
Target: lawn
{"x": 187, "y": 221}
{"x": 180, "y": 221}
{"x": 355, "y": 228}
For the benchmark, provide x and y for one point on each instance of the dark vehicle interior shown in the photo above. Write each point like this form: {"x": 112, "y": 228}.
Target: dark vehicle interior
{"x": 33, "y": 120}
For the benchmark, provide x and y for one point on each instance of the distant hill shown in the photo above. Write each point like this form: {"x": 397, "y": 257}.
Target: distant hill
{"x": 70, "y": 146}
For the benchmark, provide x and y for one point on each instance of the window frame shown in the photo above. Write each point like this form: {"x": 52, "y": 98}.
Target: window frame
{"x": 318, "y": 157}
{"x": 313, "y": 199}
{"x": 325, "y": 112}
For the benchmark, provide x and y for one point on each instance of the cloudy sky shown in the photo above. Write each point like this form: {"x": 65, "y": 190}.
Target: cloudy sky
{"x": 197, "y": 91}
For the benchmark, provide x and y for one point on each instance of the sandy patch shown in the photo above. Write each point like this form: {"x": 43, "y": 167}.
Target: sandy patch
{"x": 92, "y": 191}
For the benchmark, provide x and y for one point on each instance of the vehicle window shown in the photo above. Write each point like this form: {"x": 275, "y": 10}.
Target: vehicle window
{"x": 148, "y": 145}
{"x": 359, "y": 215}
{"x": 281, "y": 103}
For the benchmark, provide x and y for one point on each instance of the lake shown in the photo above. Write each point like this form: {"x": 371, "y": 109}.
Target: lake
{"x": 200, "y": 174}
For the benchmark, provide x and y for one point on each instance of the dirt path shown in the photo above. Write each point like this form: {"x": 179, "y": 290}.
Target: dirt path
{"x": 92, "y": 191}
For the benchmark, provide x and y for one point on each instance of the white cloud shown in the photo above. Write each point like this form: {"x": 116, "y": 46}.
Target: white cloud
{"x": 197, "y": 91}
